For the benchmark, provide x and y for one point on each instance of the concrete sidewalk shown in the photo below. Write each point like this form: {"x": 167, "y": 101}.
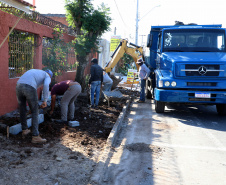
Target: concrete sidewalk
{"x": 116, "y": 164}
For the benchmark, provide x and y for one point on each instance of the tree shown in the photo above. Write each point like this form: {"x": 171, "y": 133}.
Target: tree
{"x": 54, "y": 57}
{"x": 126, "y": 62}
{"x": 89, "y": 24}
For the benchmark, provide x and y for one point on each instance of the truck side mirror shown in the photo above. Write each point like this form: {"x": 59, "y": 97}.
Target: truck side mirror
{"x": 149, "y": 41}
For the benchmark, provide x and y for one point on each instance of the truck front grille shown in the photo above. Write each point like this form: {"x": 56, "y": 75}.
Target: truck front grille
{"x": 202, "y": 84}
{"x": 201, "y": 99}
{"x": 201, "y": 70}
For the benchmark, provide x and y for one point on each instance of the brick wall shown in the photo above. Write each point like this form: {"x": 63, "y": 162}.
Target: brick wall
{"x": 7, "y": 91}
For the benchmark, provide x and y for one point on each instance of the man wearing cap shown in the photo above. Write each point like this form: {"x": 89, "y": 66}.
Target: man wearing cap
{"x": 144, "y": 72}
{"x": 26, "y": 91}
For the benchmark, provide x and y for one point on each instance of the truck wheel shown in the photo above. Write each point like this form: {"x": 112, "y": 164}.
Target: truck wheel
{"x": 221, "y": 109}
{"x": 159, "y": 106}
{"x": 147, "y": 91}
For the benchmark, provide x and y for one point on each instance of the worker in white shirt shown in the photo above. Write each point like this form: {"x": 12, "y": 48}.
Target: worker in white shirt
{"x": 107, "y": 82}
{"x": 144, "y": 73}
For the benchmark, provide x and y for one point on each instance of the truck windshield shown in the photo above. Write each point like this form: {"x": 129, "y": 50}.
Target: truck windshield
{"x": 194, "y": 40}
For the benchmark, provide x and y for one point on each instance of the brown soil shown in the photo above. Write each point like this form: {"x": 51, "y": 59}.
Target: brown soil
{"x": 70, "y": 154}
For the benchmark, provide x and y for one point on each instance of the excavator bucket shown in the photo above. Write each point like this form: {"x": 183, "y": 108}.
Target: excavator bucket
{"x": 116, "y": 81}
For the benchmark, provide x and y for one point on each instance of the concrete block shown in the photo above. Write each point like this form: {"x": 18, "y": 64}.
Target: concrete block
{"x": 40, "y": 118}
{"x": 29, "y": 122}
{"x": 73, "y": 123}
{"x": 16, "y": 129}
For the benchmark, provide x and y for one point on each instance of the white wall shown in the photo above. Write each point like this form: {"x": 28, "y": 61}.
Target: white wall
{"x": 104, "y": 55}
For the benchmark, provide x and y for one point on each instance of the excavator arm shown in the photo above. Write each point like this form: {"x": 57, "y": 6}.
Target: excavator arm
{"x": 135, "y": 52}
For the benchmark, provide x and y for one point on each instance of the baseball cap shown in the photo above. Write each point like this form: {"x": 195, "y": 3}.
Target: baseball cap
{"x": 49, "y": 72}
{"x": 140, "y": 61}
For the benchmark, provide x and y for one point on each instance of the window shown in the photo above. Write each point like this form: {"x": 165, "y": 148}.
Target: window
{"x": 194, "y": 40}
{"x": 21, "y": 53}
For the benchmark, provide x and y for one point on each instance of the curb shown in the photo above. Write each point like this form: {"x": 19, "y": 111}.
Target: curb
{"x": 117, "y": 126}
{"x": 15, "y": 129}
{"x": 107, "y": 153}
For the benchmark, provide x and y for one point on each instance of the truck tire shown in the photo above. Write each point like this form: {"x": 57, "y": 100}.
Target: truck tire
{"x": 159, "y": 106}
{"x": 221, "y": 109}
{"x": 147, "y": 91}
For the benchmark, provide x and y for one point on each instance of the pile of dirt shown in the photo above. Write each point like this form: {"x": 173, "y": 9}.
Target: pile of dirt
{"x": 70, "y": 154}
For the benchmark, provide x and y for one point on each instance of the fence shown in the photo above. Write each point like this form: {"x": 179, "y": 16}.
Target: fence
{"x": 63, "y": 51}
{"x": 21, "y": 52}
{"x": 71, "y": 60}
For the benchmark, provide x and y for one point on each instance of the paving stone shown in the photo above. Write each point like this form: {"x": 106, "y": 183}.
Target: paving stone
{"x": 15, "y": 129}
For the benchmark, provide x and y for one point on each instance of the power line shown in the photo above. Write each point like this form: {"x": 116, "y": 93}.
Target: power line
{"x": 149, "y": 11}
{"x": 120, "y": 13}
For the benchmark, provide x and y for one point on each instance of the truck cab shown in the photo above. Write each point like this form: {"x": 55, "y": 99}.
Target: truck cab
{"x": 188, "y": 64}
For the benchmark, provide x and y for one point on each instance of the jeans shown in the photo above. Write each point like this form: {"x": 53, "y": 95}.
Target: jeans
{"x": 142, "y": 90}
{"x": 95, "y": 88}
{"x": 26, "y": 93}
{"x": 68, "y": 101}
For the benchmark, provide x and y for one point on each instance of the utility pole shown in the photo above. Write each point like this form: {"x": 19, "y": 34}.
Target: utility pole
{"x": 136, "y": 41}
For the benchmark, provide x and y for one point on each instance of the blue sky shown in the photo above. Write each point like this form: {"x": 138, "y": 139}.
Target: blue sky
{"x": 151, "y": 12}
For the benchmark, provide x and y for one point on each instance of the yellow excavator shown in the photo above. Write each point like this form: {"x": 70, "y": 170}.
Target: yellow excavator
{"x": 133, "y": 50}
{"x": 124, "y": 46}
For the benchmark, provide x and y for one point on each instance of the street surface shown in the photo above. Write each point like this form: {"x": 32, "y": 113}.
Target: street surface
{"x": 186, "y": 145}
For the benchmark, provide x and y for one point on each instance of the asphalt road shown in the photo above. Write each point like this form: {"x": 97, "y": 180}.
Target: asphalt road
{"x": 186, "y": 145}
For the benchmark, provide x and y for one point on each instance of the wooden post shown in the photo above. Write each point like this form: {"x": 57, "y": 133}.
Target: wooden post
{"x": 7, "y": 131}
{"x": 133, "y": 81}
{"x": 12, "y": 29}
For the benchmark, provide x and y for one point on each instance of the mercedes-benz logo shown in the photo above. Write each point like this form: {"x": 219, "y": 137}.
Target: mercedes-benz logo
{"x": 202, "y": 70}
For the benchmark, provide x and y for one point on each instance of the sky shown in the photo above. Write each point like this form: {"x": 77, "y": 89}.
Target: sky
{"x": 151, "y": 13}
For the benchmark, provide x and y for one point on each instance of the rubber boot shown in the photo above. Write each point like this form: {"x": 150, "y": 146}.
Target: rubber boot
{"x": 25, "y": 132}
{"x": 37, "y": 139}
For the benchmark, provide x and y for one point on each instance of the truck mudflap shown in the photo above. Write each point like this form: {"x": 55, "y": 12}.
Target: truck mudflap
{"x": 190, "y": 96}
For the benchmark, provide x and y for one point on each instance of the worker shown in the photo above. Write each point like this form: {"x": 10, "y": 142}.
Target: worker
{"x": 26, "y": 91}
{"x": 95, "y": 82}
{"x": 70, "y": 91}
{"x": 107, "y": 83}
{"x": 144, "y": 73}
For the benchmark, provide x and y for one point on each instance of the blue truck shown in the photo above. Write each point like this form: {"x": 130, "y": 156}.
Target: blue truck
{"x": 188, "y": 65}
